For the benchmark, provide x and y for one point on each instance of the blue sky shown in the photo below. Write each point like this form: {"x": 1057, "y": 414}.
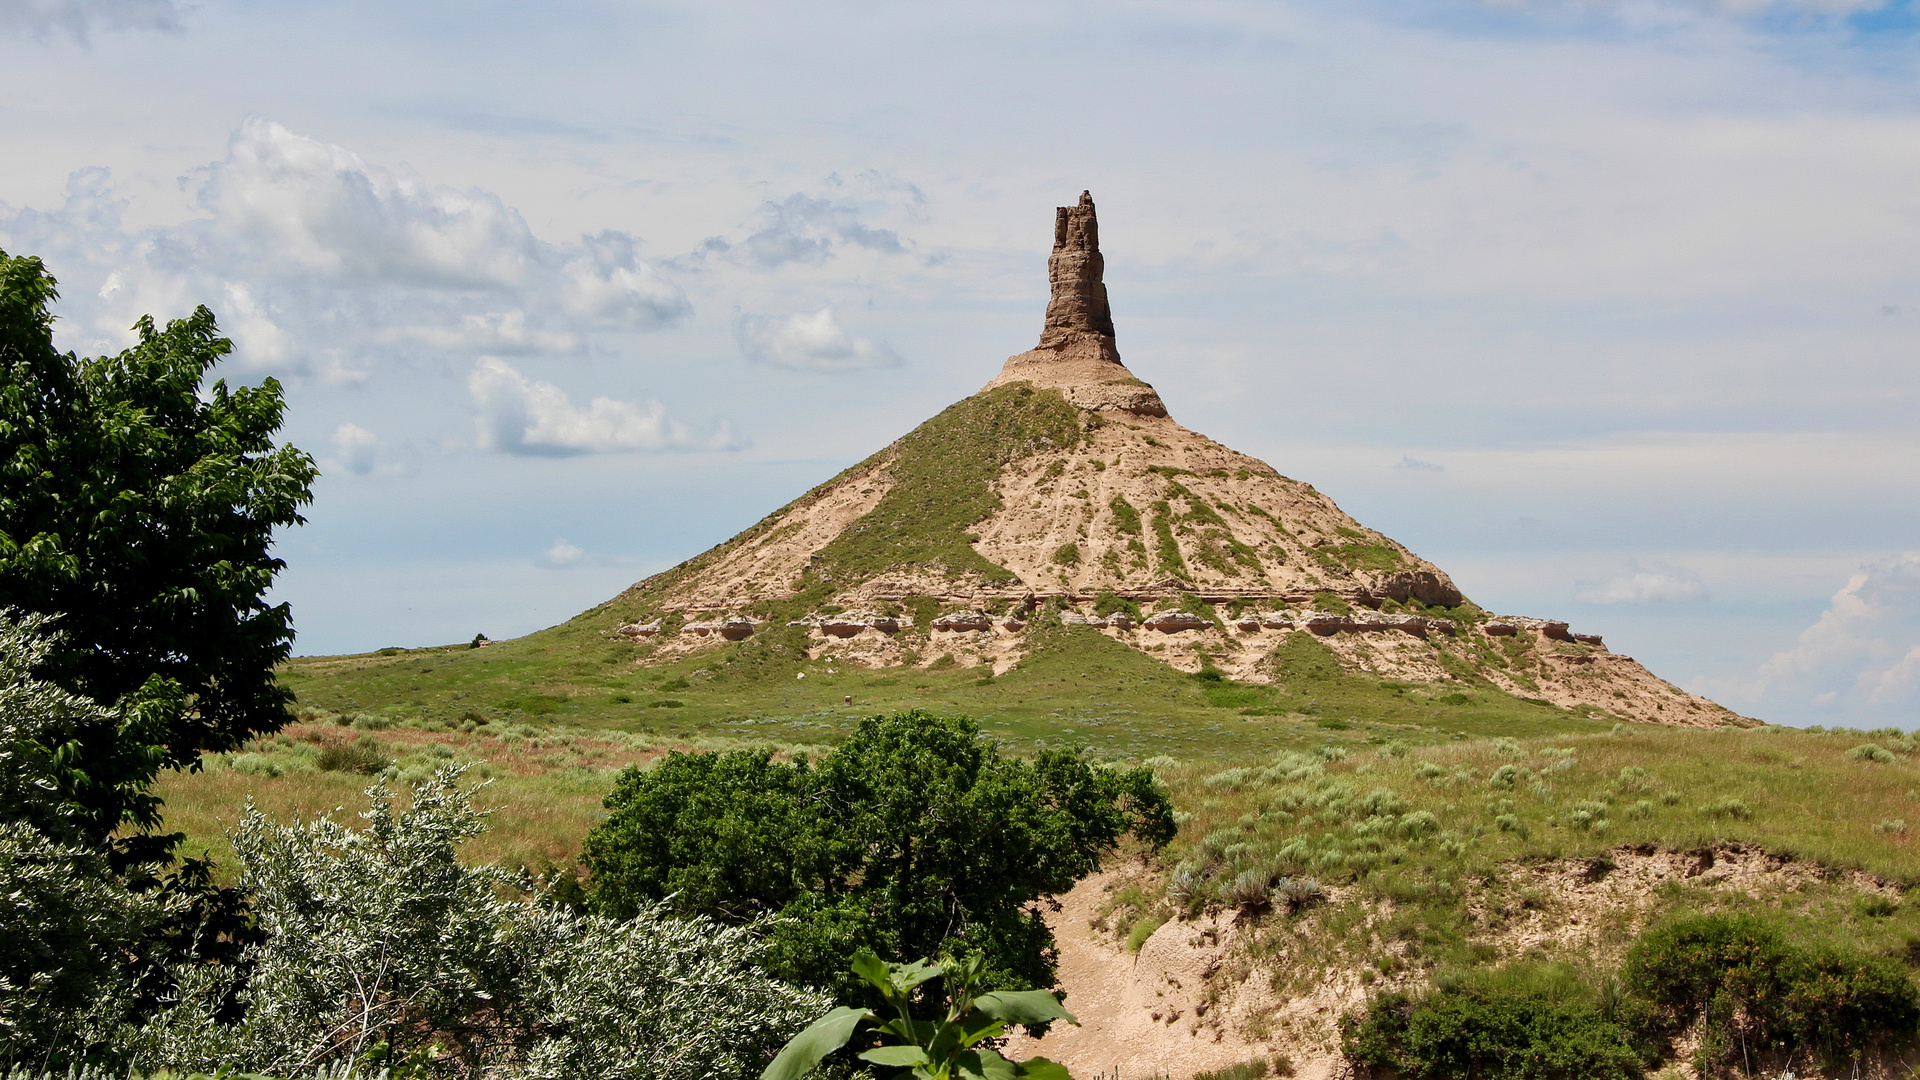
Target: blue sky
{"x": 1607, "y": 307}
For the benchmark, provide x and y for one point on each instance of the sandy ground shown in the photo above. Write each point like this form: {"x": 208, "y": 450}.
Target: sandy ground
{"x": 1162, "y": 1012}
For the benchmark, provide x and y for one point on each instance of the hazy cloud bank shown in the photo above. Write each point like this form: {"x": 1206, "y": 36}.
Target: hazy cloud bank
{"x": 518, "y": 415}
{"x": 1657, "y": 584}
{"x": 82, "y": 18}
{"x": 815, "y": 342}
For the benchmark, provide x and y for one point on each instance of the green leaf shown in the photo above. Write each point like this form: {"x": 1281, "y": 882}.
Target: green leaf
{"x": 908, "y": 976}
{"x": 1023, "y": 1007}
{"x": 969, "y": 1034}
{"x": 1041, "y": 1069}
{"x": 873, "y": 970}
{"x": 985, "y": 1065}
{"x": 896, "y": 1055}
{"x": 822, "y": 1037}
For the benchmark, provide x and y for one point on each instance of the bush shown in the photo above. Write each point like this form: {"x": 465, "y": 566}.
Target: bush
{"x": 1727, "y": 808}
{"x": 1682, "y": 965}
{"x": 362, "y": 757}
{"x": 912, "y": 838}
{"x": 1516, "y": 1024}
{"x": 382, "y": 940}
{"x": 1755, "y": 989}
{"x": 1871, "y": 752}
{"x": 1838, "y": 1003}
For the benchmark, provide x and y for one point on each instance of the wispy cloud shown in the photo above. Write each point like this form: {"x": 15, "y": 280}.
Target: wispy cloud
{"x": 815, "y": 342}
{"x": 82, "y": 18}
{"x": 519, "y": 415}
{"x": 1414, "y": 464}
{"x": 1656, "y": 584}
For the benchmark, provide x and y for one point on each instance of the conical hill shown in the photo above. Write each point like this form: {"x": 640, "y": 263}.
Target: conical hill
{"x": 1063, "y": 490}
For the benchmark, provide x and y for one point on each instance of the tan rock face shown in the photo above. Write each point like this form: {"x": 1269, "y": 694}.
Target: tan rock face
{"x": 1077, "y": 354}
{"x": 1098, "y": 491}
{"x": 1076, "y": 270}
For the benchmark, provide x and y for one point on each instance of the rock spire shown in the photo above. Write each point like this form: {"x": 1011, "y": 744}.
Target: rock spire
{"x": 1076, "y": 354}
{"x": 1079, "y": 303}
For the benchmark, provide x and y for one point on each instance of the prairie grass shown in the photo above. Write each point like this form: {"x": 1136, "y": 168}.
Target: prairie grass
{"x": 544, "y": 786}
{"x": 1423, "y": 851}
{"x": 1075, "y": 686}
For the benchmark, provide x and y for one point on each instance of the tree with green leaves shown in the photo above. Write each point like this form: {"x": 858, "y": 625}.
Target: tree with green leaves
{"x": 137, "y": 508}
{"x": 913, "y": 838}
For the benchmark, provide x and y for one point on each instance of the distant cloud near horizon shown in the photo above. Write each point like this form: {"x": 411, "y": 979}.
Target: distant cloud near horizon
{"x": 562, "y": 555}
{"x": 523, "y": 416}
{"x": 1657, "y": 584}
{"x": 1414, "y": 464}
{"x": 1860, "y": 659}
{"x": 815, "y": 342}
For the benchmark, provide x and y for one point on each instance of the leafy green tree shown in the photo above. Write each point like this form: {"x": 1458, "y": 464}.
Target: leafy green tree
{"x": 138, "y": 507}
{"x": 913, "y": 838}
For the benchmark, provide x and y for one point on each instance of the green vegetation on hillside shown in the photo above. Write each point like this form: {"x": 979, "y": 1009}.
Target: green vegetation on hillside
{"x": 1074, "y": 686}
{"x": 943, "y": 473}
{"x": 914, "y": 837}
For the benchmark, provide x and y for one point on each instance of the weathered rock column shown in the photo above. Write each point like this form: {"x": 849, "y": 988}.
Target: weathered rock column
{"x": 1079, "y": 302}
{"x": 1076, "y": 354}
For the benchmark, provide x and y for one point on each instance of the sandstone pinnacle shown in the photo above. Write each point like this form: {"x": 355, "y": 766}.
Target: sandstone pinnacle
{"x": 1079, "y": 302}
{"x": 1076, "y": 354}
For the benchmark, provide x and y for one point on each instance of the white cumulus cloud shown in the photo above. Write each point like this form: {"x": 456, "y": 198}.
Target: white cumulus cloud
{"x": 815, "y": 342}
{"x": 562, "y": 555}
{"x": 320, "y": 262}
{"x": 519, "y": 415}
{"x": 313, "y": 206}
{"x": 1861, "y": 656}
{"x": 1648, "y": 585}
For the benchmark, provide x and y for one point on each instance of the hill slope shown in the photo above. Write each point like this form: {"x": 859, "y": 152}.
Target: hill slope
{"x": 1064, "y": 484}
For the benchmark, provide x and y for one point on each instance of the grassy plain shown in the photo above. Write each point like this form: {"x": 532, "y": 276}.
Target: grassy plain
{"x": 1358, "y": 832}
{"x": 556, "y": 714}
{"x": 1075, "y": 686}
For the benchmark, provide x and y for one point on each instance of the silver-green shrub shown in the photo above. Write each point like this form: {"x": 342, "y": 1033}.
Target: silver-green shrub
{"x": 379, "y": 939}
{"x": 66, "y": 921}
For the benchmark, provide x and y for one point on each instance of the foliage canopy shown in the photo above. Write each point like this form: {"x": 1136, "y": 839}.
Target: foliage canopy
{"x": 139, "y": 509}
{"x": 913, "y": 838}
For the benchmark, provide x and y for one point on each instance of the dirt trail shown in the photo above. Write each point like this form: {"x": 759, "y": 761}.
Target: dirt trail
{"x": 1147, "y": 1014}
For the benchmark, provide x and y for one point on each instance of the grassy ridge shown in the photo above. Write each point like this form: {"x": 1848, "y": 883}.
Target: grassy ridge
{"x": 1428, "y": 853}
{"x": 1075, "y": 685}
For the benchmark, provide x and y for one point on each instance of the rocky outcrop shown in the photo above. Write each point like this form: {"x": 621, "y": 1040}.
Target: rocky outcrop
{"x": 732, "y": 629}
{"x": 964, "y": 622}
{"x": 640, "y": 630}
{"x": 846, "y": 624}
{"x": 1077, "y": 354}
{"x": 1509, "y": 625}
{"x": 1168, "y": 622}
{"x": 1078, "y": 307}
{"x": 1429, "y": 587}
